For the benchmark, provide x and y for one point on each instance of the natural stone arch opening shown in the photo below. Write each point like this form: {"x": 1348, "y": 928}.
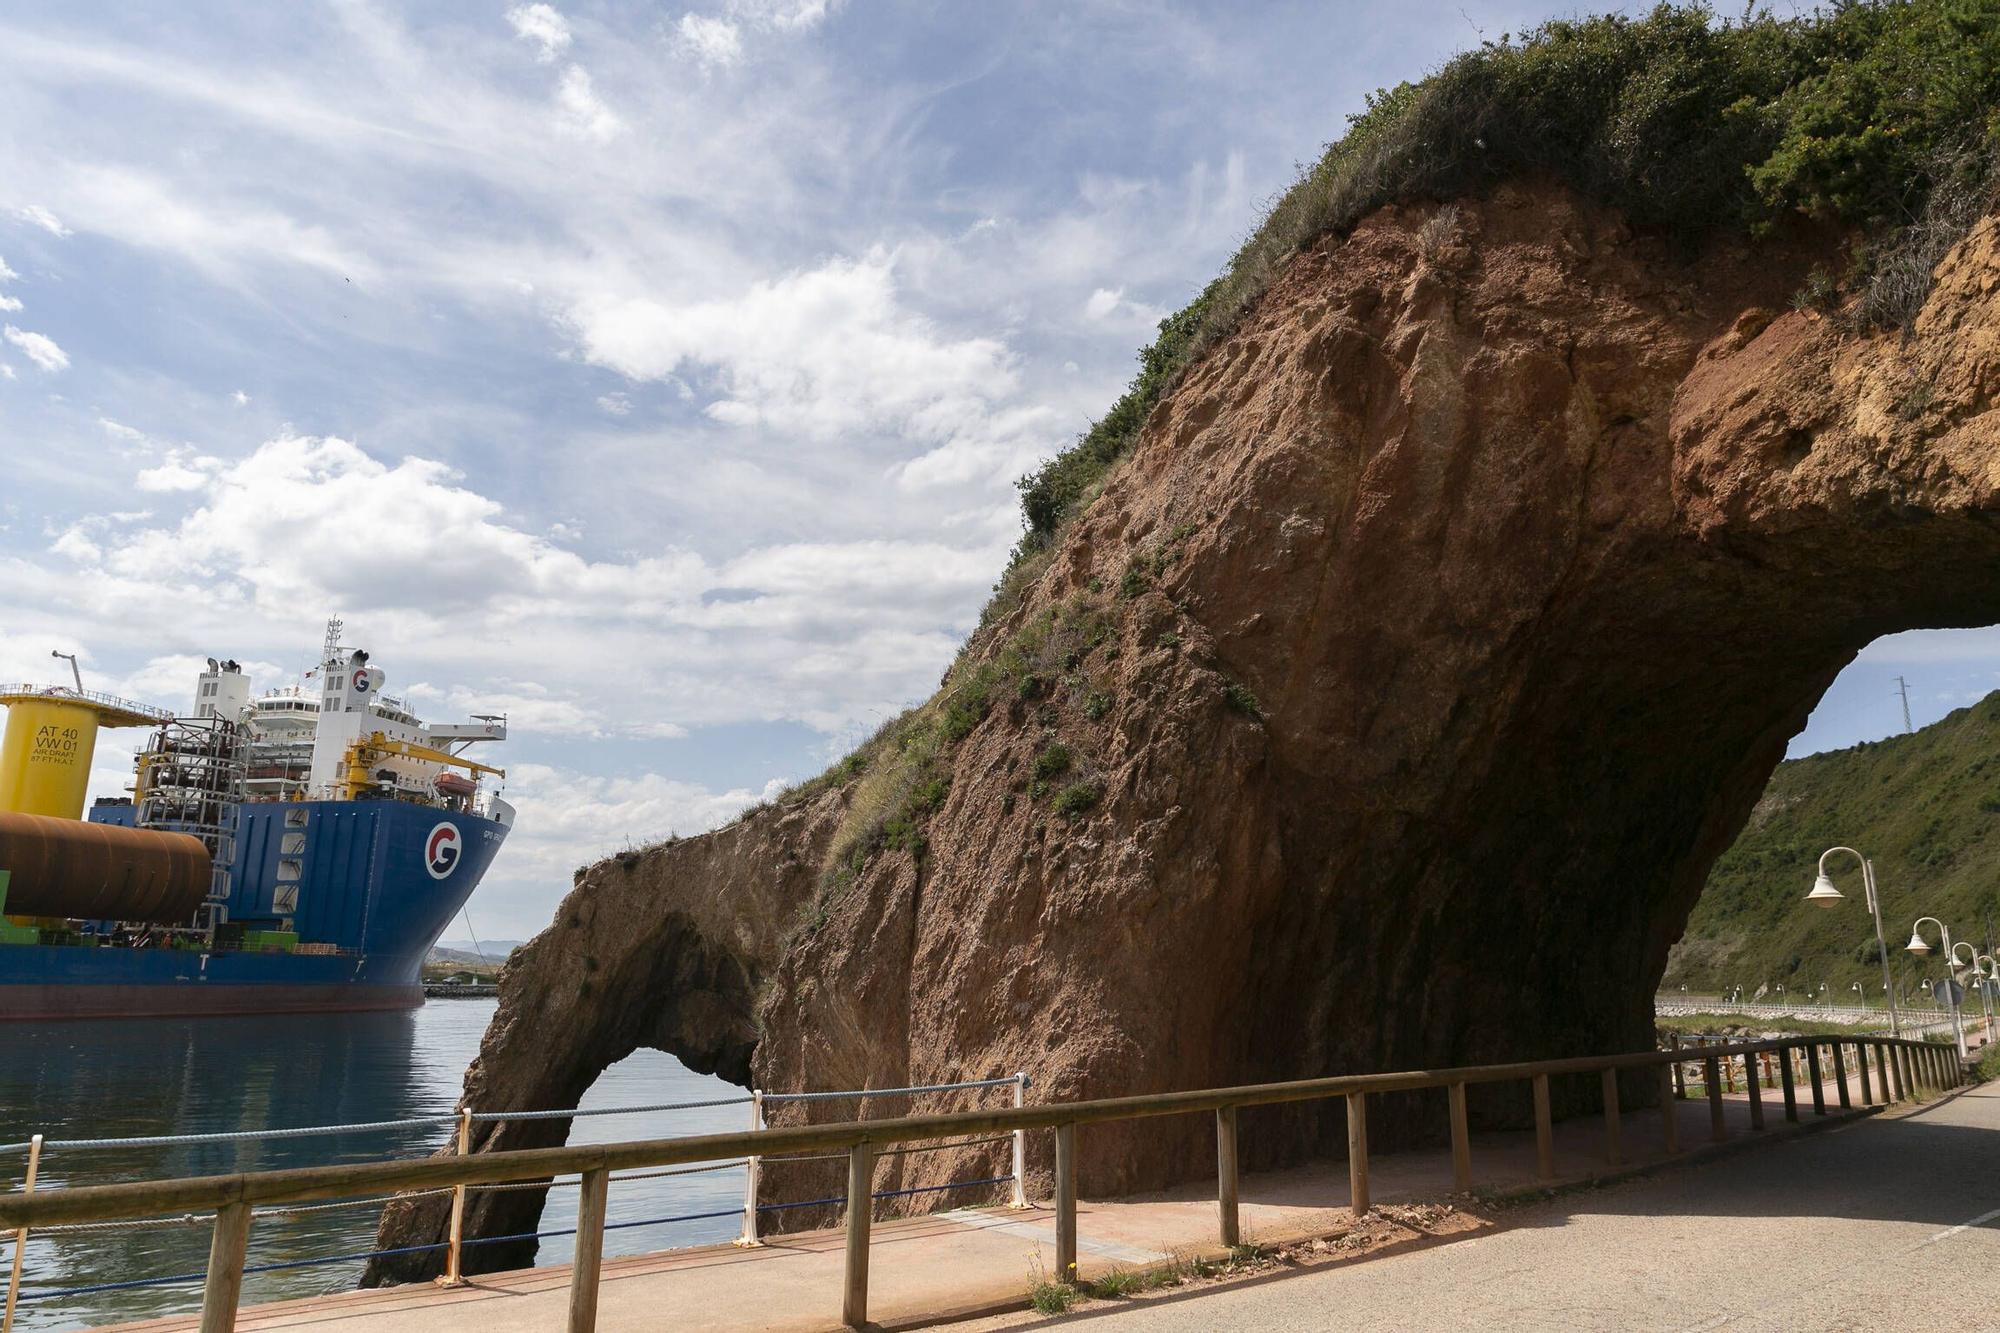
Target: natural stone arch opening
{"x": 678, "y": 994}
{"x": 1532, "y": 544}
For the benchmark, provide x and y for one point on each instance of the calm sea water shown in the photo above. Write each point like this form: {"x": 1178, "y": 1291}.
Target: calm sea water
{"x": 174, "y": 1076}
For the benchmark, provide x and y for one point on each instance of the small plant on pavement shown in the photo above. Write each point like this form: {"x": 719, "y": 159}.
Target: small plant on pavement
{"x": 1047, "y": 1295}
{"x": 1117, "y": 1284}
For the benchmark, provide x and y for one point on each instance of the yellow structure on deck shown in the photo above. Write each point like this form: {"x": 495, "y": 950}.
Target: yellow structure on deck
{"x": 50, "y": 739}
{"x": 375, "y": 747}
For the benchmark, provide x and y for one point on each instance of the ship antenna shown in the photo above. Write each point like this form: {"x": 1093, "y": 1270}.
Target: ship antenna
{"x": 332, "y": 645}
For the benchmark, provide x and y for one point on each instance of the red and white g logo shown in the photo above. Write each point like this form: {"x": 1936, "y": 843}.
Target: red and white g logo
{"x": 361, "y": 682}
{"x": 441, "y": 850}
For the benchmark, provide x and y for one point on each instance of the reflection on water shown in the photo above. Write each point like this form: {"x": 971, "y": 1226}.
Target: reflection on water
{"x": 192, "y": 1076}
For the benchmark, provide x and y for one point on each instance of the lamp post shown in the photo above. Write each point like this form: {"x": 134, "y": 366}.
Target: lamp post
{"x": 1975, "y": 967}
{"x": 1825, "y": 895}
{"x": 1919, "y": 946}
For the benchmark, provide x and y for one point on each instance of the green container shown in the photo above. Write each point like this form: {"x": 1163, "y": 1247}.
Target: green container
{"x": 279, "y": 941}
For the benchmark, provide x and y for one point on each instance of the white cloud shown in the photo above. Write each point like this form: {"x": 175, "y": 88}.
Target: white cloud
{"x": 1108, "y": 304}
{"x": 784, "y": 14}
{"x": 119, "y": 431}
{"x": 542, "y": 25}
{"x": 240, "y": 398}
{"x": 567, "y": 817}
{"x": 615, "y": 404}
{"x": 582, "y": 109}
{"x": 9, "y": 303}
{"x": 8, "y": 372}
{"x": 713, "y": 42}
{"x": 820, "y": 632}
{"x": 819, "y": 352}
{"x": 41, "y": 217}
{"x": 38, "y": 348}
{"x": 182, "y": 470}
{"x": 6, "y": 274}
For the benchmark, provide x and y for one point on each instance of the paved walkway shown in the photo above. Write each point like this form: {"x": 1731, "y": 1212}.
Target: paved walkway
{"x": 1891, "y": 1223}
{"x": 970, "y": 1260}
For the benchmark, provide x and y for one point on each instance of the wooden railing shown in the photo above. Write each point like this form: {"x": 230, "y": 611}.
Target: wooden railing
{"x": 1900, "y": 1068}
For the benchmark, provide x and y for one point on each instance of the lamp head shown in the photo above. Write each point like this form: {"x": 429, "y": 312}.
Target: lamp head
{"x": 1823, "y": 893}
{"x": 1917, "y": 945}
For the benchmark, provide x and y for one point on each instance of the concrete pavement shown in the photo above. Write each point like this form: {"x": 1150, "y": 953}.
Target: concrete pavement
{"x": 1892, "y": 1222}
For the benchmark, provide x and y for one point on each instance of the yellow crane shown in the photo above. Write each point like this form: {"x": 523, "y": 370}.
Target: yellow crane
{"x": 375, "y": 747}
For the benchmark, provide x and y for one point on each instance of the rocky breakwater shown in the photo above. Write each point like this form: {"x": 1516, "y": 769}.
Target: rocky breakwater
{"x": 1385, "y": 710}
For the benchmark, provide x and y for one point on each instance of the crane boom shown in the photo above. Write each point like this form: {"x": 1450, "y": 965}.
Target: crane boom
{"x": 376, "y": 745}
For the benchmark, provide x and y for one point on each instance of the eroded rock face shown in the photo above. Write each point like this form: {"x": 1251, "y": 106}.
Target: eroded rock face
{"x": 1462, "y": 602}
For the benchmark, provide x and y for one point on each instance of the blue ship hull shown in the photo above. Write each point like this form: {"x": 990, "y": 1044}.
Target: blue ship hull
{"x": 367, "y": 885}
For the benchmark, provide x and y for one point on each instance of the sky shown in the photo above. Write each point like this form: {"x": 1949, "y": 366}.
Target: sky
{"x": 658, "y": 376}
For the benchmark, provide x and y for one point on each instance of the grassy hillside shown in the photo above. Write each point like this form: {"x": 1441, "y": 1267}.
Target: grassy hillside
{"x": 1925, "y": 807}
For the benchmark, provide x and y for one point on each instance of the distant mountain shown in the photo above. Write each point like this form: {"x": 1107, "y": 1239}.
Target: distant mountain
{"x": 1925, "y": 807}
{"x": 493, "y": 950}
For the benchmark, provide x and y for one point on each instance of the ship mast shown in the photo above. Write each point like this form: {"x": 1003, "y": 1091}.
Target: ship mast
{"x": 331, "y": 647}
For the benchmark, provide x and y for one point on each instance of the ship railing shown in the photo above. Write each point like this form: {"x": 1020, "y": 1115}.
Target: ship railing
{"x": 88, "y": 696}
{"x": 38, "y": 1147}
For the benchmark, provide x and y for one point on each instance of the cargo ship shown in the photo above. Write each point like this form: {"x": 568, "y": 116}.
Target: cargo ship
{"x": 297, "y": 851}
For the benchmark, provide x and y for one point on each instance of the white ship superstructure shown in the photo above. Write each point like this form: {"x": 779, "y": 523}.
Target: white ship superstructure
{"x": 340, "y": 737}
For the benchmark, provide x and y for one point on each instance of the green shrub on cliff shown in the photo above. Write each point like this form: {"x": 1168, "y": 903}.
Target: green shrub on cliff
{"x": 1854, "y": 114}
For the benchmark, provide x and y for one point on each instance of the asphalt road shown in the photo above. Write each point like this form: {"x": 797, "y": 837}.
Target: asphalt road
{"x": 1885, "y": 1224}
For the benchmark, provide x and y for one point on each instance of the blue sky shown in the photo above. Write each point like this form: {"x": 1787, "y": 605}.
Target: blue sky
{"x": 657, "y": 375}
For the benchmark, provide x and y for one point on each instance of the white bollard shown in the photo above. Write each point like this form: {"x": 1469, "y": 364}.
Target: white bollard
{"x": 750, "y": 1170}
{"x": 1020, "y": 1198}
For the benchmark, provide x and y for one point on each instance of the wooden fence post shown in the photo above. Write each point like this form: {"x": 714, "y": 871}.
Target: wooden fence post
{"x": 860, "y": 1213}
{"x": 1357, "y": 1152}
{"x": 588, "y": 1266}
{"x": 1065, "y": 1203}
{"x": 1711, "y": 1076}
{"x": 1861, "y": 1064}
{"x": 1670, "y": 1126}
{"x": 1545, "y": 1131}
{"x": 1225, "y": 1174}
{"x": 224, "y": 1288}
{"x": 1882, "y": 1079}
{"x": 452, "y": 1276}
{"x": 1613, "y": 1147}
{"x": 1812, "y": 1070}
{"x": 21, "y": 1236}
{"x": 1680, "y": 1075}
{"x": 1753, "y": 1084}
{"x": 1461, "y": 1140}
{"x": 1840, "y": 1073}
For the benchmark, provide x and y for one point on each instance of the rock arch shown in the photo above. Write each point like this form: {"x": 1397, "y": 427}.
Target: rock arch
{"x": 1462, "y": 601}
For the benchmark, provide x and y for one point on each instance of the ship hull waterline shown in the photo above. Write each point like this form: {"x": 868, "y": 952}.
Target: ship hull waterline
{"x": 369, "y": 885}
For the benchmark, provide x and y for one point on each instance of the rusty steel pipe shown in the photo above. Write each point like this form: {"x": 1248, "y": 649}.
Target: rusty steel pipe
{"x": 100, "y": 872}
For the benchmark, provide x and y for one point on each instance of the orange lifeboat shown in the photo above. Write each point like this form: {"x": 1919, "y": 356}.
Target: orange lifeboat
{"x": 454, "y": 784}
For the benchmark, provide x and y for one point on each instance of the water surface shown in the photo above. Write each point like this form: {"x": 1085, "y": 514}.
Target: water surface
{"x": 125, "y": 1078}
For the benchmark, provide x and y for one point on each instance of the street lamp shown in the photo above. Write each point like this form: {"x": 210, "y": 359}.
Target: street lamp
{"x": 1919, "y": 946}
{"x": 1824, "y": 894}
{"x": 1975, "y": 966}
